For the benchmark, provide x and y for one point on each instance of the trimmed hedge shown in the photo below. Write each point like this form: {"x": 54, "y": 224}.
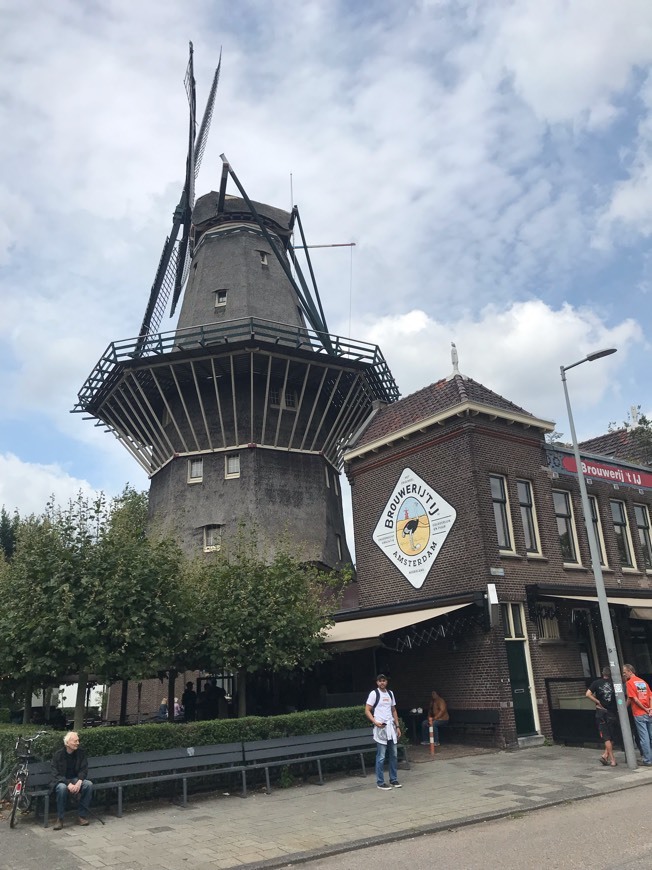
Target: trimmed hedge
{"x": 142, "y": 738}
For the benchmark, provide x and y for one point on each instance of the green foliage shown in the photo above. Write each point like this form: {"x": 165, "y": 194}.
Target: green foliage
{"x": 8, "y": 529}
{"x": 143, "y": 738}
{"x": 276, "y": 613}
{"x": 88, "y": 591}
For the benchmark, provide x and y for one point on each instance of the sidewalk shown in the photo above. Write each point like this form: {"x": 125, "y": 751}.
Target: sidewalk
{"x": 309, "y": 821}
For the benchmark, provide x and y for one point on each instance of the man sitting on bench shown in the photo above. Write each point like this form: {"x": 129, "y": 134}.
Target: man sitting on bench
{"x": 437, "y": 717}
{"x": 69, "y": 772}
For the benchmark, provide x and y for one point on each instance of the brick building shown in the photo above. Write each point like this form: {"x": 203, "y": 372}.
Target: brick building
{"x": 455, "y": 491}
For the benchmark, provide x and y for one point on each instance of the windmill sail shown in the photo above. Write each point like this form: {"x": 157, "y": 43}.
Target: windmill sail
{"x": 173, "y": 266}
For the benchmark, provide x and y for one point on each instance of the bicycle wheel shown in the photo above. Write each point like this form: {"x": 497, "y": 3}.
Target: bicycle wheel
{"x": 14, "y": 804}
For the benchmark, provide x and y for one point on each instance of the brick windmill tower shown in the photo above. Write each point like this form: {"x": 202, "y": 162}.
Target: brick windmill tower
{"x": 240, "y": 415}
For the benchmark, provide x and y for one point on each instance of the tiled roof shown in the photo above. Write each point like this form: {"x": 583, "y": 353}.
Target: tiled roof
{"x": 430, "y": 401}
{"x": 620, "y": 444}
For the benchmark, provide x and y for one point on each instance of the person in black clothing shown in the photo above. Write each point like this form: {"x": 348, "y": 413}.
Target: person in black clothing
{"x": 69, "y": 772}
{"x": 189, "y": 703}
{"x": 603, "y": 695}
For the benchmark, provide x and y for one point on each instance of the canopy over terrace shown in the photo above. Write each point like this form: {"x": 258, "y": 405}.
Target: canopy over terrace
{"x": 369, "y": 631}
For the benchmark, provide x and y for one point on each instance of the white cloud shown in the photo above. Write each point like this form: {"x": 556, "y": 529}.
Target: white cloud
{"x": 27, "y": 486}
{"x": 516, "y": 351}
{"x": 570, "y": 60}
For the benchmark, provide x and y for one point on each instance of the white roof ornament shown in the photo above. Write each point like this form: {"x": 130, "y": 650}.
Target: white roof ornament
{"x": 455, "y": 360}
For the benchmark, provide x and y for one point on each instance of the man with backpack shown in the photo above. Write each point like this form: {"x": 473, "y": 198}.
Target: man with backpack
{"x": 380, "y": 710}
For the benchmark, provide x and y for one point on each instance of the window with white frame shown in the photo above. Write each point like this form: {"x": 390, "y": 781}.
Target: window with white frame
{"x": 547, "y": 622}
{"x": 528, "y": 516}
{"x": 597, "y": 527}
{"x": 263, "y": 258}
{"x": 232, "y": 465}
{"x": 220, "y": 298}
{"x": 287, "y": 400}
{"x": 565, "y": 525}
{"x": 642, "y": 514}
{"x": 502, "y": 518}
{"x": 338, "y": 540}
{"x": 212, "y": 538}
{"x": 195, "y": 470}
{"x": 512, "y": 616}
{"x": 621, "y": 529}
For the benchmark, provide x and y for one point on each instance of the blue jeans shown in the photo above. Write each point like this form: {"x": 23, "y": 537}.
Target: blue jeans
{"x": 392, "y": 752}
{"x": 644, "y": 729}
{"x": 84, "y": 794}
{"x": 436, "y": 725}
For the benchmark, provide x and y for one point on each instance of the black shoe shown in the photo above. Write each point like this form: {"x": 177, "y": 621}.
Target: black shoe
{"x": 57, "y": 825}
{"x": 384, "y": 787}
{"x": 395, "y": 784}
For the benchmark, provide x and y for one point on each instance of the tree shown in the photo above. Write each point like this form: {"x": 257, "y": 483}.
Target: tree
{"x": 88, "y": 592}
{"x": 8, "y": 528}
{"x": 258, "y": 616}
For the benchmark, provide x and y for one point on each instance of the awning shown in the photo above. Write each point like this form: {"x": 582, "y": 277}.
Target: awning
{"x": 641, "y": 607}
{"x": 367, "y": 631}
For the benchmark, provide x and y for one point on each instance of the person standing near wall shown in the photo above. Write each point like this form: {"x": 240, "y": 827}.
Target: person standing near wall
{"x": 380, "y": 710}
{"x": 639, "y": 699}
{"x": 603, "y": 695}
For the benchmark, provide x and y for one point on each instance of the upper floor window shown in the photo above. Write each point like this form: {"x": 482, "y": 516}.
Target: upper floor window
{"x": 195, "y": 470}
{"x": 621, "y": 528}
{"x": 263, "y": 258}
{"x": 597, "y": 527}
{"x": 338, "y": 541}
{"x": 287, "y": 401}
{"x": 220, "y": 298}
{"x": 232, "y": 465}
{"x": 642, "y": 514}
{"x": 565, "y": 525}
{"x": 528, "y": 516}
{"x": 212, "y": 538}
{"x": 501, "y": 511}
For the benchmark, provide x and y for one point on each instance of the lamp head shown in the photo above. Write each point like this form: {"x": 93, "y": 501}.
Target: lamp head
{"x": 598, "y": 354}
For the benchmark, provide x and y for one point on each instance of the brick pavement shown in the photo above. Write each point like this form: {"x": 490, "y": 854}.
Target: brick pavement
{"x": 306, "y": 821}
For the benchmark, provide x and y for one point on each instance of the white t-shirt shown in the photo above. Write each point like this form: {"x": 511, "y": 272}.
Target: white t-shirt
{"x": 383, "y": 713}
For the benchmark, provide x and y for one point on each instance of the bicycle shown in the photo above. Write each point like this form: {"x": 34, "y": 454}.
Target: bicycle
{"x": 19, "y": 799}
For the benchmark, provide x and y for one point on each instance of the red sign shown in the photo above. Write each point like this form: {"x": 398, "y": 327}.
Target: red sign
{"x": 610, "y": 473}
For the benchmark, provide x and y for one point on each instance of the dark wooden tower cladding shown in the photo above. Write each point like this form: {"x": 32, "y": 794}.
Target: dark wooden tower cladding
{"x": 239, "y": 416}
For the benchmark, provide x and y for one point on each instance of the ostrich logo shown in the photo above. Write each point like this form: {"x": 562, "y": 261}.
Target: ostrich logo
{"x": 413, "y": 530}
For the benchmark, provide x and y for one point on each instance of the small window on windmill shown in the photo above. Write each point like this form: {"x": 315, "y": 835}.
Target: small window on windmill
{"x": 290, "y": 399}
{"x": 263, "y": 259}
{"x": 212, "y": 538}
{"x": 232, "y": 465}
{"x": 195, "y": 470}
{"x": 327, "y": 476}
{"x": 274, "y": 396}
{"x": 338, "y": 539}
{"x": 220, "y": 298}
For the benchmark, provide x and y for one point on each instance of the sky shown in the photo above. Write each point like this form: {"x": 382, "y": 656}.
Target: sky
{"x": 490, "y": 159}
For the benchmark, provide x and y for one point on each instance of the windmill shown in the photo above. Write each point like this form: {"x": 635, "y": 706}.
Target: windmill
{"x": 243, "y": 411}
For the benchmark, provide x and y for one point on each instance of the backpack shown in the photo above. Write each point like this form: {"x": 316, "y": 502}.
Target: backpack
{"x": 376, "y": 702}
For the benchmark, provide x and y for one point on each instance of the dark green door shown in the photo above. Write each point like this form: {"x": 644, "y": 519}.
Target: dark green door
{"x": 520, "y": 681}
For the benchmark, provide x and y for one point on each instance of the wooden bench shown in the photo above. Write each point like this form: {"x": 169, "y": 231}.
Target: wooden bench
{"x": 309, "y": 748}
{"x": 144, "y": 768}
{"x": 483, "y": 721}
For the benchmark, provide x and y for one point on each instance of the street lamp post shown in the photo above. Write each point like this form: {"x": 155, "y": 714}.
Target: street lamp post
{"x": 605, "y": 616}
